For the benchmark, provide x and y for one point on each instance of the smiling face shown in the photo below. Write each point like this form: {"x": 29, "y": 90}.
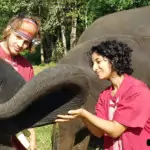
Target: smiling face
{"x": 20, "y": 39}
{"x": 101, "y": 66}
{"x": 16, "y": 43}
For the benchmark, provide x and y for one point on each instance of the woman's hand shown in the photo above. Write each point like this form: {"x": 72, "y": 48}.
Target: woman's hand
{"x": 72, "y": 114}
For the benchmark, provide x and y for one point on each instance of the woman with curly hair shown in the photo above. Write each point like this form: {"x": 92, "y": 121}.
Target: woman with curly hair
{"x": 123, "y": 109}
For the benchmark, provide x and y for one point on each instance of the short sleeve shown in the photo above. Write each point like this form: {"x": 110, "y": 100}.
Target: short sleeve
{"x": 100, "y": 110}
{"x": 134, "y": 109}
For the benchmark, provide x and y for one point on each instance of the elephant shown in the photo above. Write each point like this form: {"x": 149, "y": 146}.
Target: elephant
{"x": 69, "y": 85}
{"x": 36, "y": 103}
{"x": 131, "y": 26}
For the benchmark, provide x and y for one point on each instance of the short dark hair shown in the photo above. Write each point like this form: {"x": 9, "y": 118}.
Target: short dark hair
{"x": 118, "y": 53}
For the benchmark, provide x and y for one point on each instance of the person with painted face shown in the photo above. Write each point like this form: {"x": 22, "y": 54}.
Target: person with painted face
{"x": 123, "y": 109}
{"x": 18, "y": 36}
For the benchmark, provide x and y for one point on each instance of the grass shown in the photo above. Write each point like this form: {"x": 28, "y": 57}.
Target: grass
{"x": 43, "y": 137}
{"x": 41, "y": 67}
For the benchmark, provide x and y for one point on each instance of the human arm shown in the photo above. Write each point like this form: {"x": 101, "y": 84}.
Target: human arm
{"x": 112, "y": 128}
{"x": 99, "y": 124}
{"x": 92, "y": 128}
{"x": 133, "y": 111}
{"x": 95, "y": 124}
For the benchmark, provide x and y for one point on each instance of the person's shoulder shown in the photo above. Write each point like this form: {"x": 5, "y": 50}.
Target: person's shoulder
{"x": 136, "y": 85}
{"x": 23, "y": 61}
{"x": 106, "y": 91}
{"x": 136, "y": 82}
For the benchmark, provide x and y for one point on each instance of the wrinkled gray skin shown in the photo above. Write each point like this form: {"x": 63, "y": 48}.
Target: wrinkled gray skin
{"x": 38, "y": 102}
{"x": 135, "y": 24}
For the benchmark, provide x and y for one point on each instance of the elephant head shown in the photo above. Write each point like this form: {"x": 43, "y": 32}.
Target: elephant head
{"x": 131, "y": 26}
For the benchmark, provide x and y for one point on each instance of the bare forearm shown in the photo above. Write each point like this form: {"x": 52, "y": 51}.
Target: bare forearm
{"x": 92, "y": 128}
{"x": 95, "y": 124}
{"x": 109, "y": 127}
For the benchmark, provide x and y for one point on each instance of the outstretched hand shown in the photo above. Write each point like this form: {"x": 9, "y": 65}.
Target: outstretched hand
{"x": 72, "y": 114}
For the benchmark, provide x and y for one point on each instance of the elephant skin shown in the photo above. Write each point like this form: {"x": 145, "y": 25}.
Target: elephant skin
{"x": 38, "y": 102}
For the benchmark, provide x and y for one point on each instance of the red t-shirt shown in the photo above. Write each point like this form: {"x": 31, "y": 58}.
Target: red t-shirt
{"x": 130, "y": 106}
{"x": 25, "y": 69}
{"x": 19, "y": 63}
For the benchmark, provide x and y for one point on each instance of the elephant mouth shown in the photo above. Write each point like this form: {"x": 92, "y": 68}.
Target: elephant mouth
{"x": 58, "y": 100}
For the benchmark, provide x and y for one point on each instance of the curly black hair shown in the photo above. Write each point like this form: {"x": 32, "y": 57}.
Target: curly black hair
{"x": 118, "y": 53}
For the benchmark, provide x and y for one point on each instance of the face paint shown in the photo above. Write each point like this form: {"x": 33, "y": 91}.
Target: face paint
{"x": 28, "y": 29}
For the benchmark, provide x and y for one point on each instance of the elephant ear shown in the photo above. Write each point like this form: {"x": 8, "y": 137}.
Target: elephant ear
{"x": 53, "y": 91}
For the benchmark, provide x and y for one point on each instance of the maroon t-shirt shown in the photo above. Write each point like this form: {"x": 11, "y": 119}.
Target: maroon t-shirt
{"x": 19, "y": 63}
{"x": 130, "y": 106}
{"x": 25, "y": 69}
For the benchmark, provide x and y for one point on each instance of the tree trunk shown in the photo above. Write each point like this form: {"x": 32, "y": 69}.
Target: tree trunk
{"x": 42, "y": 54}
{"x": 73, "y": 32}
{"x": 63, "y": 33}
{"x": 86, "y": 18}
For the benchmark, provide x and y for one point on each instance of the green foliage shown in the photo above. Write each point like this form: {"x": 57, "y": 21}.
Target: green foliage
{"x": 43, "y": 137}
{"x": 5, "y": 11}
{"x": 55, "y": 13}
{"x": 34, "y": 57}
{"x": 58, "y": 52}
{"x": 102, "y": 7}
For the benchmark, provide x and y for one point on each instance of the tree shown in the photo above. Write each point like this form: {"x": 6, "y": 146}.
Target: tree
{"x": 63, "y": 21}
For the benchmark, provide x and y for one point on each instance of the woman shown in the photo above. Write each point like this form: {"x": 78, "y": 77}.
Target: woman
{"x": 123, "y": 109}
